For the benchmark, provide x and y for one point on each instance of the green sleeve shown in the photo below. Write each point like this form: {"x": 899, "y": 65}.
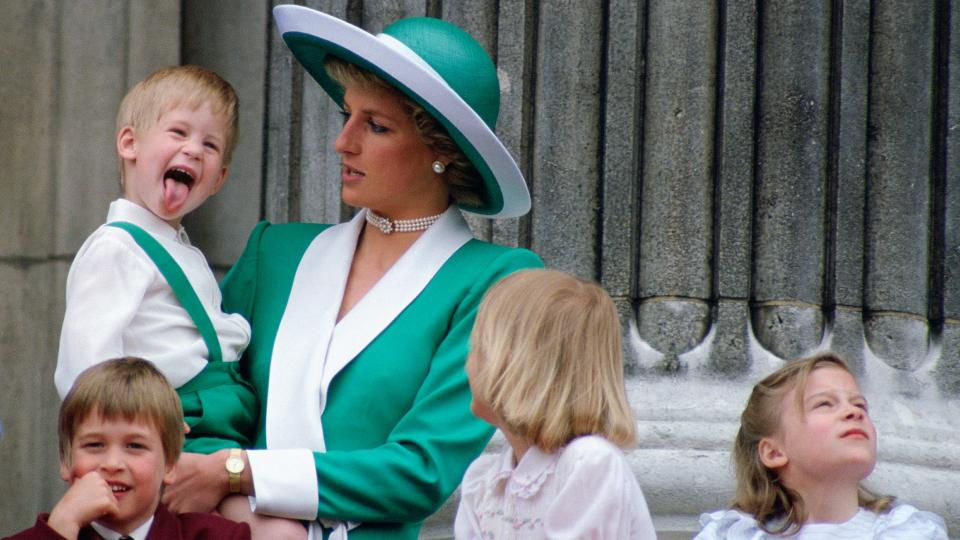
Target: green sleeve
{"x": 423, "y": 459}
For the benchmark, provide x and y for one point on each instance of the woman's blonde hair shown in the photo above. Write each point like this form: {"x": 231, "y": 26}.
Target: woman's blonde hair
{"x": 777, "y": 508}
{"x": 131, "y": 389}
{"x": 175, "y": 86}
{"x": 549, "y": 360}
{"x": 462, "y": 179}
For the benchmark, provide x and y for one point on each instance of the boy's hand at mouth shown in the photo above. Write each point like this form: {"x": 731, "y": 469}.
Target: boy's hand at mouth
{"x": 88, "y": 499}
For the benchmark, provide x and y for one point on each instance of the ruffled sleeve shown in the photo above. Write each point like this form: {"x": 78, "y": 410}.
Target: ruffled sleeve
{"x": 905, "y": 521}
{"x": 728, "y": 525}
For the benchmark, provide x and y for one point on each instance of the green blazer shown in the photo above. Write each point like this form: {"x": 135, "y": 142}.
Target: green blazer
{"x": 380, "y": 398}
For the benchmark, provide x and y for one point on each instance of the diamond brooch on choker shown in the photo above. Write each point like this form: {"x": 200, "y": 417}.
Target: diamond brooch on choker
{"x": 388, "y": 226}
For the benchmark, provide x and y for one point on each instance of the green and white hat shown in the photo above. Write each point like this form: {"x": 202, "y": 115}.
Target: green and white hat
{"x": 436, "y": 64}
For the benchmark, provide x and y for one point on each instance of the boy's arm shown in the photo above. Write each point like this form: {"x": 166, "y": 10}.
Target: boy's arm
{"x": 105, "y": 287}
{"x": 89, "y": 498}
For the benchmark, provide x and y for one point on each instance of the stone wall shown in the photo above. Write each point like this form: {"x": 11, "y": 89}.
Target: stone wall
{"x": 750, "y": 180}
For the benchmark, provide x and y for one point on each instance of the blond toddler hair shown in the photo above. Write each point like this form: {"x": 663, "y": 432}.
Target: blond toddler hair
{"x": 550, "y": 363}
{"x": 175, "y": 86}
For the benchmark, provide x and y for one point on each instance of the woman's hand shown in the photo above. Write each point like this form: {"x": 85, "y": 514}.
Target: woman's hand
{"x": 201, "y": 483}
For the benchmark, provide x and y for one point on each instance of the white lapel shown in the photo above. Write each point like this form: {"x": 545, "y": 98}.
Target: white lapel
{"x": 303, "y": 336}
{"x": 402, "y": 283}
{"x": 311, "y": 347}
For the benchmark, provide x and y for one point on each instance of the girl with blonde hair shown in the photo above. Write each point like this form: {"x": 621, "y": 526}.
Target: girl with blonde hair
{"x": 805, "y": 444}
{"x": 546, "y": 368}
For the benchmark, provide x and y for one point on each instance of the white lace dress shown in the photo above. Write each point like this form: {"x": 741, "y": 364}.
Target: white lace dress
{"x": 585, "y": 490}
{"x": 902, "y": 522}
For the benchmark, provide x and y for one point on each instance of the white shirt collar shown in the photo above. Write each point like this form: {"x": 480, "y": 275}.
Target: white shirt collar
{"x": 140, "y": 533}
{"x": 526, "y": 479}
{"x": 124, "y": 210}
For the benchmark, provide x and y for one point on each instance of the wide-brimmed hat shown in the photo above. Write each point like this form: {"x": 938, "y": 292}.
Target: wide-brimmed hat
{"x": 436, "y": 64}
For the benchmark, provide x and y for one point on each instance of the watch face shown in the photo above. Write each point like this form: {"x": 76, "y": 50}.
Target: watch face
{"x": 234, "y": 465}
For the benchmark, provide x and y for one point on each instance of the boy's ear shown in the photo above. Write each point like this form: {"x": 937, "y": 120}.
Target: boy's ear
{"x": 222, "y": 179}
{"x": 170, "y": 474}
{"x": 771, "y": 455}
{"x": 65, "y": 472}
{"x": 127, "y": 143}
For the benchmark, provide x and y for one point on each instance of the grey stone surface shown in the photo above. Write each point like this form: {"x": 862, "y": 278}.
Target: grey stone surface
{"x": 479, "y": 19}
{"x": 281, "y": 181}
{"x": 729, "y": 347}
{"x": 234, "y": 44}
{"x": 515, "y": 59}
{"x": 676, "y": 227}
{"x": 92, "y": 82}
{"x": 733, "y": 197}
{"x": 789, "y": 212}
{"x": 148, "y": 49}
{"x": 565, "y": 168}
{"x": 846, "y": 337}
{"x": 28, "y": 399}
{"x": 898, "y": 339}
{"x": 622, "y": 138}
{"x": 673, "y": 326}
{"x": 789, "y": 242}
{"x": 788, "y": 330}
{"x": 951, "y": 229}
{"x": 28, "y": 101}
{"x": 898, "y": 198}
{"x": 850, "y": 147}
{"x": 948, "y": 367}
{"x": 676, "y": 207}
{"x": 319, "y": 123}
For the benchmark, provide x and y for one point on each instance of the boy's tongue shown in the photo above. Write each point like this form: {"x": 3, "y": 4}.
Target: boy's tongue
{"x": 174, "y": 194}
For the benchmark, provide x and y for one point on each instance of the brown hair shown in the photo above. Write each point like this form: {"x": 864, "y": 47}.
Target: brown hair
{"x": 173, "y": 86}
{"x": 759, "y": 491}
{"x": 128, "y": 388}
{"x": 463, "y": 180}
{"x": 549, "y": 359}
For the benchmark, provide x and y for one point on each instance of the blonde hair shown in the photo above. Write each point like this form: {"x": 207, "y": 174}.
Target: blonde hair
{"x": 131, "y": 389}
{"x": 549, "y": 361}
{"x": 175, "y": 86}
{"x": 759, "y": 491}
{"x": 462, "y": 179}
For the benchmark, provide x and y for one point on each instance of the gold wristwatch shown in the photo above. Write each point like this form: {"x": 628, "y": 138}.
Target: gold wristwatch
{"x": 235, "y": 466}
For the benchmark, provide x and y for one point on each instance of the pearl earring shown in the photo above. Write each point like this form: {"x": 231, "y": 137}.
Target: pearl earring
{"x": 439, "y": 167}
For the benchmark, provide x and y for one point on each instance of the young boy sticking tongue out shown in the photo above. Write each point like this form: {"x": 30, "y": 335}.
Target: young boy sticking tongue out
{"x": 137, "y": 287}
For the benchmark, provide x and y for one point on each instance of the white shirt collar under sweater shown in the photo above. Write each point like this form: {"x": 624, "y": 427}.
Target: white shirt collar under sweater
{"x": 140, "y": 533}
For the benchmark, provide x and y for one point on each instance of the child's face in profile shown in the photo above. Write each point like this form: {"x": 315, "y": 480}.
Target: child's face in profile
{"x": 829, "y": 437}
{"x": 129, "y": 456}
{"x": 175, "y": 165}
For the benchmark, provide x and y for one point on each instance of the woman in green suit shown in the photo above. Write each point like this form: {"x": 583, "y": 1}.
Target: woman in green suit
{"x": 360, "y": 330}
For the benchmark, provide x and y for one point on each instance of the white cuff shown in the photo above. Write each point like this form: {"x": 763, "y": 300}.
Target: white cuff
{"x": 284, "y": 483}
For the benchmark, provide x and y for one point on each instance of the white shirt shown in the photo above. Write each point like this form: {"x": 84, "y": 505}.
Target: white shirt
{"x": 119, "y": 304}
{"x": 902, "y": 522}
{"x": 585, "y": 490}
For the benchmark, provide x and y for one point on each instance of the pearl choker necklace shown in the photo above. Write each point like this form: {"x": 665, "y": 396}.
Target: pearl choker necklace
{"x": 401, "y": 225}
